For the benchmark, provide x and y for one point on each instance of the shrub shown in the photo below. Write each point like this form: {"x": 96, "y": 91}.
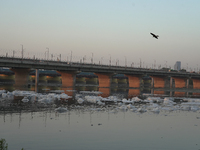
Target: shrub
{"x": 3, "y": 145}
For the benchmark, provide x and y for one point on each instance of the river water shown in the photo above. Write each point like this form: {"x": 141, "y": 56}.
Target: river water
{"x": 93, "y": 122}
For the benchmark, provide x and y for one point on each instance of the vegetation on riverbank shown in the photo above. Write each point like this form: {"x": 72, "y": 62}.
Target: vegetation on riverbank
{"x": 4, "y": 145}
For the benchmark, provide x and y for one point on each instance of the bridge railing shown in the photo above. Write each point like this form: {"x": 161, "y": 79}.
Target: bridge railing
{"x": 69, "y": 58}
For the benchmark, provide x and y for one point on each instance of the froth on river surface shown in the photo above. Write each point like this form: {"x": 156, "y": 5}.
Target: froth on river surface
{"x": 58, "y": 122}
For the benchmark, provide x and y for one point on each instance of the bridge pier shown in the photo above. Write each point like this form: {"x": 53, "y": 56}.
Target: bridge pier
{"x": 68, "y": 81}
{"x": 104, "y": 83}
{"x": 36, "y": 80}
{"x": 134, "y": 82}
{"x": 196, "y": 85}
{"x": 180, "y": 82}
{"x": 21, "y": 77}
{"x": 179, "y": 94}
{"x": 158, "y": 82}
{"x": 133, "y": 92}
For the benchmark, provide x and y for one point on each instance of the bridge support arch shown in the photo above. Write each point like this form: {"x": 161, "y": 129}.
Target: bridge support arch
{"x": 21, "y": 77}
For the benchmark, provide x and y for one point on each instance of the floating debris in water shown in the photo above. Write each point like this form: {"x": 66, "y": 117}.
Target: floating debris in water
{"x": 94, "y": 103}
{"x": 61, "y": 109}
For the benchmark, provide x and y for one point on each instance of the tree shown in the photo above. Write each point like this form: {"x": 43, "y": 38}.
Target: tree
{"x": 3, "y": 145}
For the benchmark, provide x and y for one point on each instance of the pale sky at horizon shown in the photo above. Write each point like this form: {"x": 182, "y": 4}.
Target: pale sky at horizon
{"x": 117, "y": 28}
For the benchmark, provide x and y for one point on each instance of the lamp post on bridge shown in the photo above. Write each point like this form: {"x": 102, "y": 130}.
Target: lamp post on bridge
{"x": 51, "y": 56}
{"x": 154, "y": 64}
{"x": 60, "y": 57}
{"x": 125, "y": 61}
{"x": 84, "y": 59}
{"x": 166, "y": 64}
{"x": 117, "y": 62}
{"x": 92, "y": 59}
{"x": 22, "y": 51}
{"x": 132, "y": 64}
{"x": 71, "y": 57}
{"x": 13, "y": 53}
{"x": 47, "y": 53}
{"x": 110, "y": 60}
{"x": 101, "y": 60}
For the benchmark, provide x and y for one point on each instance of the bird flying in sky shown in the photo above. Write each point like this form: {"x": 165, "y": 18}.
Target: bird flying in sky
{"x": 155, "y": 36}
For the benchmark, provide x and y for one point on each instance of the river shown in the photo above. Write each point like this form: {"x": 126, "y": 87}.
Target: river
{"x": 94, "y": 122}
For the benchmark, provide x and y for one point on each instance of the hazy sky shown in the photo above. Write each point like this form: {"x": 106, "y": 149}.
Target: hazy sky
{"x": 119, "y": 29}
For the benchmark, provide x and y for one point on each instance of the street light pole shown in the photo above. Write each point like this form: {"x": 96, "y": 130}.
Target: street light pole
{"x": 71, "y": 57}
{"x": 110, "y": 59}
{"x": 125, "y": 61}
{"x": 92, "y": 59}
{"x": 47, "y": 53}
{"x": 13, "y": 53}
{"x": 22, "y": 51}
{"x": 101, "y": 60}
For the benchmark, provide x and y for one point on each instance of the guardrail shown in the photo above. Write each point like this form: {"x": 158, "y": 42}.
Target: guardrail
{"x": 86, "y": 67}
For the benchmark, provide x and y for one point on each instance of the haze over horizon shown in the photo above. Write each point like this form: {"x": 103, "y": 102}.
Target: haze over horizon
{"x": 115, "y": 28}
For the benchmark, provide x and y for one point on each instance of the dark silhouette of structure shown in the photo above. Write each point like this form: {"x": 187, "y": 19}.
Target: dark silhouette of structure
{"x": 155, "y": 36}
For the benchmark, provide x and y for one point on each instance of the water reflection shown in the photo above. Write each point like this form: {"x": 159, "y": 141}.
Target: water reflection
{"x": 87, "y": 120}
{"x": 119, "y": 89}
{"x": 86, "y": 127}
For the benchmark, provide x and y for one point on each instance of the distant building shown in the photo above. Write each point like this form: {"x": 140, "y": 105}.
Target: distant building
{"x": 177, "y": 66}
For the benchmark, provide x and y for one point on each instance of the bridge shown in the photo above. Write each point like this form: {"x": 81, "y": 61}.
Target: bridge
{"x": 160, "y": 78}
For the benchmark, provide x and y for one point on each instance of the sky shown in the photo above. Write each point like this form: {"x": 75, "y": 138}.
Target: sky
{"x": 104, "y": 30}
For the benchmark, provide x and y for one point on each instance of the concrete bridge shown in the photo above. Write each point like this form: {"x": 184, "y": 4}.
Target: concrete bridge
{"x": 68, "y": 70}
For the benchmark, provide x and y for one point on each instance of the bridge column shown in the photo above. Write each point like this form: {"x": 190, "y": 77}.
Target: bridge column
{"x": 180, "y": 83}
{"x": 133, "y": 92}
{"x": 68, "y": 81}
{"x": 36, "y": 79}
{"x": 159, "y": 82}
{"x": 196, "y": 85}
{"x": 134, "y": 82}
{"x": 21, "y": 77}
{"x": 104, "y": 83}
